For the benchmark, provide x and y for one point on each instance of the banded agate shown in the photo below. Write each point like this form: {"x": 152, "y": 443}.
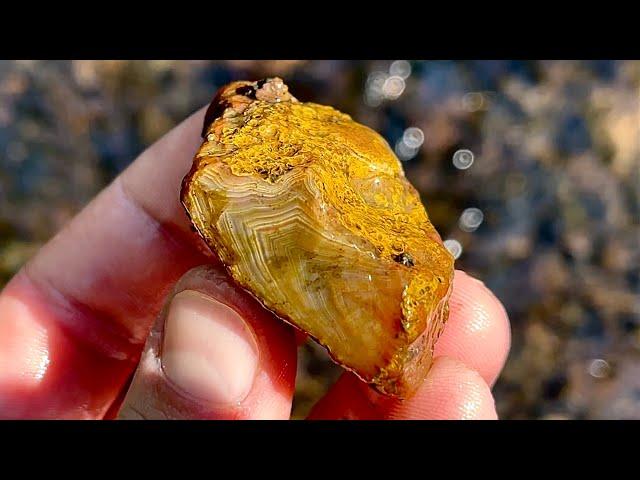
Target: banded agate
{"x": 311, "y": 212}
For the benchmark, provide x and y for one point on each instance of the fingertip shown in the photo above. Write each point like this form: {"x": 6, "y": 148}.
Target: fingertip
{"x": 451, "y": 391}
{"x": 478, "y": 331}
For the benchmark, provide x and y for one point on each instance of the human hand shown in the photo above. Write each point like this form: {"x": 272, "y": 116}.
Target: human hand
{"x": 86, "y": 313}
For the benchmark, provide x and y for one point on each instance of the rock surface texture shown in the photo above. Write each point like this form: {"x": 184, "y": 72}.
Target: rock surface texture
{"x": 311, "y": 212}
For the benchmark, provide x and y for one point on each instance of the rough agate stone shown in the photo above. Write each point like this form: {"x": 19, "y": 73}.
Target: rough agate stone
{"x": 311, "y": 212}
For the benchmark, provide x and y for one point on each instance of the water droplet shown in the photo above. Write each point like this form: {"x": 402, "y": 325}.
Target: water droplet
{"x": 454, "y": 247}
{"x": 463, "y": 159}
{"x": 599, "y": 368}
{"x": 404, "y": 151}
{"x": 400, "y": 68}
{"x": 393, "y": 87}
{"x": 372, "y": 100}
{"x": 373, "y": 92}
{"x": 413, "y": 137}
{"x": 470, "y": 219}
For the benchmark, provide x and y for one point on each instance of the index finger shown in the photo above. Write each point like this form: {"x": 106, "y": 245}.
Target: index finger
{"x": 73, "y": 321}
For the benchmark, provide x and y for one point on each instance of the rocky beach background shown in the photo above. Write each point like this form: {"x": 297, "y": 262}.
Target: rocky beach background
{"x": 530, "y": 171}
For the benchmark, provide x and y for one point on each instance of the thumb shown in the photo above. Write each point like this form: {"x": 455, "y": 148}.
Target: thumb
{"x": 213, "y": 353}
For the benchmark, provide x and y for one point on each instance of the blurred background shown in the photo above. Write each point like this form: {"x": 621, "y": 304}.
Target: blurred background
{"x": 530, "y": 171}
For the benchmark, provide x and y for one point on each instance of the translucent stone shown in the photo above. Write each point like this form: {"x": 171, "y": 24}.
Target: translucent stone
{"x": 311, "y": 212}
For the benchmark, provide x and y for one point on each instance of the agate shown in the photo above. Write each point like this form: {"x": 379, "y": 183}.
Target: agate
{"x": 311, "y": 212}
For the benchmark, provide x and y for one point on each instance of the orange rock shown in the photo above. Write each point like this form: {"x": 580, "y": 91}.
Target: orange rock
{"x": 312, "y": 213}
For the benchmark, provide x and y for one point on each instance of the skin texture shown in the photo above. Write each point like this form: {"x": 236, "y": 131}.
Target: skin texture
{"x": 75, "y": 320}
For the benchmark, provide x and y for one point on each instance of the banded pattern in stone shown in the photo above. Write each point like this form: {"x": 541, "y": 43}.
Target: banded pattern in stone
{"x": 311, "y": 212}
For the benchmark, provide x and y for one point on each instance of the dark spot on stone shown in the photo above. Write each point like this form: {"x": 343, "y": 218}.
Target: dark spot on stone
{"x": 248, "y": 91}
{"x": 261, "y": 83}
{"x": 215, "y": 110}
{"x": 404, "y": 258}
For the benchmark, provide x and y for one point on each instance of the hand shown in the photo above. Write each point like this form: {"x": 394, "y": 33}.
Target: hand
{"x": 86, "y": 314}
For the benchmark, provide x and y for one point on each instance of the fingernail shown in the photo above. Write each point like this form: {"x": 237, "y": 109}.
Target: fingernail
{"x": 209, "y": 351}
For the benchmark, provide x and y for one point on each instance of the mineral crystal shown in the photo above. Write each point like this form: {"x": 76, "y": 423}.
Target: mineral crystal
{"x": 311, "y": 212}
